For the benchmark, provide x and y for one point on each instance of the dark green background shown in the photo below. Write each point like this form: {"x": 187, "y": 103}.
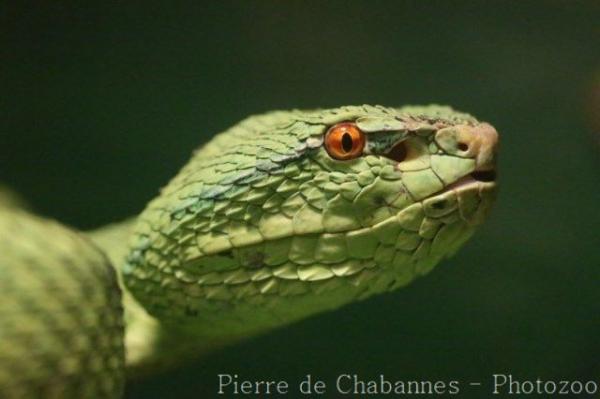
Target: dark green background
{"x": 100, "y": 106}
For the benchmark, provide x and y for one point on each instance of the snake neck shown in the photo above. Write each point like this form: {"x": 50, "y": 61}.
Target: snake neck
{"x": 142, "y": 330}
{"x": 150, "y": 346}
{"x": 113, "y": 239}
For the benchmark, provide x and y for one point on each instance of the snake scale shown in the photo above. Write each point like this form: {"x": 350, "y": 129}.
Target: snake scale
{"x": 284, "y": 215}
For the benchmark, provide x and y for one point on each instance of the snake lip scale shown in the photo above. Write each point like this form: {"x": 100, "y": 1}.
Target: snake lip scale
{"x": 471, "y": 181}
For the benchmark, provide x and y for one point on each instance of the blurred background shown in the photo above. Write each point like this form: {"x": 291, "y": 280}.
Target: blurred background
{"x": 101, "y": 105}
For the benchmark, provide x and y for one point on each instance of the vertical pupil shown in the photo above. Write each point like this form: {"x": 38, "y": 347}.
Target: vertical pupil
{"x": 347, "y": 142}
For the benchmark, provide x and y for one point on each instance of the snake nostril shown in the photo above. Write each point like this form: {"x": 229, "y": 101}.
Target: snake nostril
{"x": 484, "y": 175}
{"x": 463, "y": 146}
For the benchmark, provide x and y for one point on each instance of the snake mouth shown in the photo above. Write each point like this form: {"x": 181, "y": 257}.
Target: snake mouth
{"x": 474, "y": 180}
{"x": 484, "y": 175}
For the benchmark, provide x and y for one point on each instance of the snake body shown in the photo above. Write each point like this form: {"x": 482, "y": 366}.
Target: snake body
{"x": 261, "y": 228}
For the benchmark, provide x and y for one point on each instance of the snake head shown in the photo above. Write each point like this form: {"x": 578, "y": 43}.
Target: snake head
{"x": 295, "y": 212}
{"x": 441, "y": 159}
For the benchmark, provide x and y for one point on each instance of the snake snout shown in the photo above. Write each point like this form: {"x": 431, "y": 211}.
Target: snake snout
{"x": 479, "y": 142}
{"x": 485, "y": 140}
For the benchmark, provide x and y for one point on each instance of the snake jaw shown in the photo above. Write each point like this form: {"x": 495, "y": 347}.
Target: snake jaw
{"x": 472, "y": 148}
{"x": 474, "y": 198}
{"x": 475, "y": 192}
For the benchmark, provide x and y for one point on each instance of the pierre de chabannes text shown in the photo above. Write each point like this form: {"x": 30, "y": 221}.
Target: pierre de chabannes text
{"x": 354, "y": 384}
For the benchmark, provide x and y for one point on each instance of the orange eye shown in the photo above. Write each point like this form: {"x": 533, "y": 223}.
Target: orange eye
{"x": 344, "y": 141}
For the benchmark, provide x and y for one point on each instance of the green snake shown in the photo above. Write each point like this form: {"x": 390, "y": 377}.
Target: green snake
{"x": 284, "y": 215}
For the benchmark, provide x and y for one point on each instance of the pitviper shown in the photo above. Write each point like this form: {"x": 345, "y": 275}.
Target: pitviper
{"x": 284, "y": 215}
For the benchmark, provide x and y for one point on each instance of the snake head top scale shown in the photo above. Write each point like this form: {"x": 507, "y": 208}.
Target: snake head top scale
{"x": 291, "y": 213}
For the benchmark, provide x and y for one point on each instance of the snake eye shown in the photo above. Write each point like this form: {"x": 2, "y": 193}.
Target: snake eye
{"x": 344, "y": 141}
